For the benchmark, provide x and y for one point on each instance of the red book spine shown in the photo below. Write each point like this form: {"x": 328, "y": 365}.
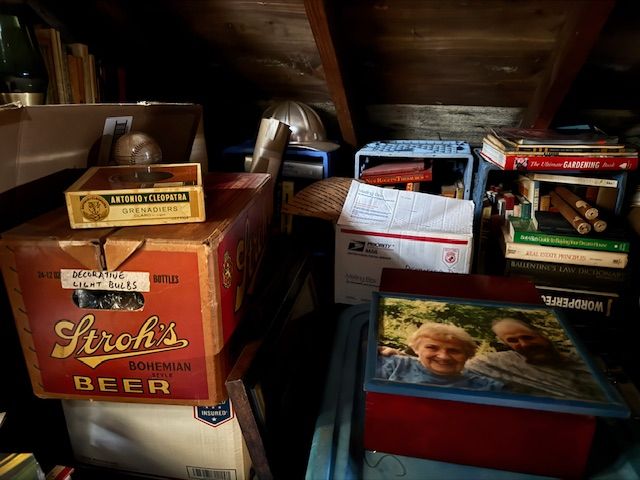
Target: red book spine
{"x": 564, "y": 162}
{"x": 420, "y": 176}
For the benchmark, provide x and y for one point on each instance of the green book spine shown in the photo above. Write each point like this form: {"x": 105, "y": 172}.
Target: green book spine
{"x": 589, "y": 243}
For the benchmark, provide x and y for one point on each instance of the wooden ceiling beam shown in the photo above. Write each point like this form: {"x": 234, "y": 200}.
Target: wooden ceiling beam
{"x": 319, "y": 21}
{"x": 576, "y": 39}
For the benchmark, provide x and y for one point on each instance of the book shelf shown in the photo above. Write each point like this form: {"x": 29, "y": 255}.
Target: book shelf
{"x": 485, "y": 169}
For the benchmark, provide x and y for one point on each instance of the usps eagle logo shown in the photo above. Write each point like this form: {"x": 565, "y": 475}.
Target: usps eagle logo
{"x": 451, "y": 256}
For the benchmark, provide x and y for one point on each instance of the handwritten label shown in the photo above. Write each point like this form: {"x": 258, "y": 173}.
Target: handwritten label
{"x": 103, "y": 280}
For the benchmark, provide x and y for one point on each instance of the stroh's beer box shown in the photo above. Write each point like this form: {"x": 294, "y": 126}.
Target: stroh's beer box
{"x": 136, "y": 195}
{"x": 137, "y": 313}
{"x": 490, "y": 384}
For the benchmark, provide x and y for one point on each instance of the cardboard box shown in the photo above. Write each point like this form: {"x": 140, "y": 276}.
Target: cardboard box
{"x": 385, "y": 228}
{"x": 137, "y": 313}
{"x": 524, "y": 410}
{"x": 171, "y": 441}
{"x": 43, "y": 139}
{"x": 125, "y": 195}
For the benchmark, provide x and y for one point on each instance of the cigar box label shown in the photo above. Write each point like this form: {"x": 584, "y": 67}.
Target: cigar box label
{"x": 94, "y": 208}
{"x": 141, "y": 205}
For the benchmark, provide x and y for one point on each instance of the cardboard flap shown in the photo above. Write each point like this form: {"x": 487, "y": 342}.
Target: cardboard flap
{"x": 87, "y": 253}
{"x": 9, "y": 131}
{"x": 117, "y": 251}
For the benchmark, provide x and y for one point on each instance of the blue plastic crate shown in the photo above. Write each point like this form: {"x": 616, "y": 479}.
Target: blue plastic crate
{"x": 337, "y": 453}
{"x": 460, "y": 152}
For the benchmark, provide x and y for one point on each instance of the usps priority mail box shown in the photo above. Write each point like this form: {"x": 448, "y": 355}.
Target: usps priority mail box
{"x": 381, "y": 227}
{"x": 170, "y": 441}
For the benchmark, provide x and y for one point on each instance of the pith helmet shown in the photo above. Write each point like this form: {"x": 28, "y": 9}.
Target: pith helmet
{"x": 307, "y": 130}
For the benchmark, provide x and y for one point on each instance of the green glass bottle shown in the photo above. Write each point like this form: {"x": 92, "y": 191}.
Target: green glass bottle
{"x": 23, "y": 75}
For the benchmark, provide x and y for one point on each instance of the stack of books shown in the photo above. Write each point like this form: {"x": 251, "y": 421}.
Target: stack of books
{"x": 573, "y": 271}
{"x": 71, "y": 68}
{"x": 406, "y": 175}
{"x": 565, "y": 236}
{"x": 534, "y": 149}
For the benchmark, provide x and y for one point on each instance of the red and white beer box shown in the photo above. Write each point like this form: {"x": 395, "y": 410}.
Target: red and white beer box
{"x": 482, "y": 406}
{"x": 137, "y": 313}
{"x": 168, "y": 441}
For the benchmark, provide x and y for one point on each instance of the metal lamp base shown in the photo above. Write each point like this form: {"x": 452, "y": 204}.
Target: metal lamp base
{"x": 26, "y": 99}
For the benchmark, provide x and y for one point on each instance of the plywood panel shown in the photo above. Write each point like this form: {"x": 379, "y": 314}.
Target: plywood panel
{"x": 270, "y": 44}
{"x": 451, "y": 52}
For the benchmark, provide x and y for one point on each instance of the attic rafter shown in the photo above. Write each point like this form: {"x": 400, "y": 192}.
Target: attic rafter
{"x": 318, "y": 20}
{"x": 576, "y": 39}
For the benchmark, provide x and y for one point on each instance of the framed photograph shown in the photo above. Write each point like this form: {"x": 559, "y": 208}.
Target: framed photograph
{"x": 483, "y": 352}
{"x": 245, "y": 393}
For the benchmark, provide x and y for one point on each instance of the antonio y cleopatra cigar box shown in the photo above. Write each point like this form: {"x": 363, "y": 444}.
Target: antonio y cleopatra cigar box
{"x": 136, "y": 195}
{"x": 137, "y": 314}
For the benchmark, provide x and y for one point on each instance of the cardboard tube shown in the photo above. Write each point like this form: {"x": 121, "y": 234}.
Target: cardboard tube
{"x": 570, "y": 215}
{"x": 272, "y": 140}
{"x": 582, "y": 207}
{"x": 598, "y": 224}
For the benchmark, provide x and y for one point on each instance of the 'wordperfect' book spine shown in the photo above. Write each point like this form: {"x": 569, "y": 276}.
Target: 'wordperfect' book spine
{"x": 583, "y": 300}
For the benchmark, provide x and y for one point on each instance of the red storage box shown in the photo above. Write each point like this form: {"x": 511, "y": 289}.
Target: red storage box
{"x": 433, "y": 392}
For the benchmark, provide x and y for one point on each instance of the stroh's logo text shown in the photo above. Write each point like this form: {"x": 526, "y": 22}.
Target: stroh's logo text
{"x": 94, "y": 347}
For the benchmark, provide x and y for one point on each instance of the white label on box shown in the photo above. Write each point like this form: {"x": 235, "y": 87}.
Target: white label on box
{"x": 103, "y": 280}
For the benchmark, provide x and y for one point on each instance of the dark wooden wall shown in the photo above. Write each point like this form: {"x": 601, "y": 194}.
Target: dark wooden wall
{"x": 373, "y": 68}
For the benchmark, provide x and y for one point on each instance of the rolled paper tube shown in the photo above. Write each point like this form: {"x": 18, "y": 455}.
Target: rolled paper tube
{"x": 598, "y": 224}
{"x": 580, "y": 224}
{"x": 582, "y": 207}
{"x": 271, "y": 142}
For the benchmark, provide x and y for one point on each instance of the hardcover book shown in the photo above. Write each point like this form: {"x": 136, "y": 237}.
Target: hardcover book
{"x": 573, "y": 179}
{"x": 529, "y": 189}
{"x": 533, "y": 161}
{"x": 546, "y": 137}
{"x": 398, "y": 172}
{"x": 573, "y": 256}
{"x": 406, "y": 177}
{"x": 388, "y": 168}
{"x": 548, "y": 273}
{"x": 525, "y": 231}
{"x": 585, "y": 300}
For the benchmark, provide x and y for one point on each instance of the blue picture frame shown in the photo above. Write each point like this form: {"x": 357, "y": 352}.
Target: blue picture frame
{"x": 386, "y": 308}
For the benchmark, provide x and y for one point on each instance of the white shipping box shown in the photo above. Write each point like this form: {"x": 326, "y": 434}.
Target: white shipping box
{"x": 387, "y": 228}
{"x": 174, "y": 441}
